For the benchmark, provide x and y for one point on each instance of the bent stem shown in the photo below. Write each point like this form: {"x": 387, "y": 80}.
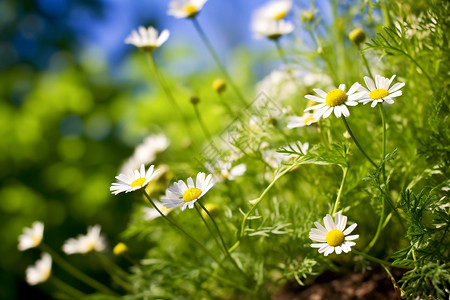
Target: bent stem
{"x": 341, "y": 188}
{"x": 357, "y": 143}
{"x": 378, "y": 261}
{"x": 222, "y": 240}
{"x": 77, "y": 273}
{"x": 117, "y": 274}
{"x": 150, "y": 201}
{"x": 217, "y": 60}
{"x": 258, "y": 200}
{"x": 66, "y": 288}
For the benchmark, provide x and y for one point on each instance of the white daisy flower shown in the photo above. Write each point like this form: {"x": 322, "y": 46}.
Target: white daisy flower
{"x": 231, "y": 173}
{"x": 296, "y": 121}
{"x": 187, "y": 194}
{"x": 92, "y": 241}
{"x": 185, "y": 8}
{"x": 31, "y": 237}
{"x": 146, "y": 152}
{"x": 380, "y": 91}
{"x": 274, "y": 10}
{"x": 333, "y": 237}
{"x": 134, "y": 180}
{"x": 271, "y": 29}
{"x": 147, "y": 39}
{"x": 335, "y": 100}
{"x": 41, "y": 271}
{"x": 150, "y": 213}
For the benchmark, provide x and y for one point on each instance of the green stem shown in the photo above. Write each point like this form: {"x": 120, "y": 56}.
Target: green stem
{"x": 341, "y": 188}
{"x": 200, "y": 121}
{"x": 66, "y": 288}
{"x": 357, "y": 143}
{"x": 209, "y": 228}
{"x": 383, "y": 124}
{"x": 261, "y": 197}
{"x": 365, "y": 62}
{"x": 77, "y": 273}
{"x": 116, "y": 273}
{"x": 222, "y": 240}
{"x": 150, "y": 201}
{"x": 377, "y": 260}
{"x": 224, "y": 103}
{"x": 217, "y": 60}
{"x": 285, "y": 61}
{"x": 167, "y": 91}
{"x": 230, "y": 283}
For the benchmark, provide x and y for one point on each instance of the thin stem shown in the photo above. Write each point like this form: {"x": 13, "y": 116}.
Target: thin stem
{"x": 150, "y": 201}
{"x": 256, "y": 203}
{"x": 341, "y": 188}
{"x": 224, "y": 103}
{"x": 383, "y": 124}
{"x": 209, "y": 228}
{"x": 116, "y": 272}
{"x": 166, "y": 90}
{"x": 66, "y": 288}
{"x": 200, "y": 121}
{"x": 377, "y": 260}
{"x": 222, "y": 240}
{"x": 357, "y": 143}
{"x": 365, "y": 62}
{"x": 284, "y": 59}
{"x": 230, "y": 283}
{"x": 77, "y": 273}
{"x": 217, "y": 60}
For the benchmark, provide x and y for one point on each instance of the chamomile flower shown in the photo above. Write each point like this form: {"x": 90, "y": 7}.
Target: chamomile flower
{"x": 92, "y": 241}
{"x": 134, "y": 180}
{"x": 185, "y": 195}
{"x": 333, "y": 237}
{"x": 335, "y": 100}
{"x": 274, "y": 10}
{"x": 31, "y": 237}
{"x": 271, "y": 29}
{"x": 229, "y": 172}
{"x": 296, "y": 121}
{"x": 185, "y": 8}
{"x": 147, "y": 39}
{"x": 379, "y": 90}
{"x": 41, "y": 271}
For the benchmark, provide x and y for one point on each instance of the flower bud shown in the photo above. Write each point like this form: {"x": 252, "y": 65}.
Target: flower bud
{"x": 120, "y": 249}
{"x": 357, "y": 36}
{"x": 307, "y": 16}
{"x": 219, "y": 85}
{"x": 195, "y": 100}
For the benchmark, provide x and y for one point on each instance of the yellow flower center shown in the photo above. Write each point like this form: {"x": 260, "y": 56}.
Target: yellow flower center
{"x": 335, "y": 97}
{"x": 120, "y": 249}
{"x": 378, "y": 94}
{"x": 36, "y": 240}
{"x": 280, "y": 15}
{"x": 191, "y": 10}
{"x": 308, "y": 119}
{"x": 191, "y": 194}
{"x": 138, "y": 182}
{"x": 335, "y": 238}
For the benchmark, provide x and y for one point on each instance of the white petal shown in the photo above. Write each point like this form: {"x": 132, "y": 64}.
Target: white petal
{"x": 321, "y": 228}
{"x": 369, "y": 83}
{"x": 351, "y": 237}
{"x": 317, "y": 106}
{"x": 342, "y": 87}
{"x": 317, "y": 238}
{"x": 319, "y": 245}
{"x": 321, "y": 93}
{"x": 345, "y": 111}
{"x": 318, "y": 114}
{"x": 395, "y": 94}
{"x": 328, "y": 112}
{"x": 329, "y": 224}
{"x": 396, "y": 87}
{"x": 190, "y": 183}
{"x": 342, "y": 223}
{"x": 338, "y": 250}
{"x": 350, "y": 229}
{"x": 329, "y": 251}
{"x": 314, "y": 98}
{"x": 353, "y": 88}
{"x": 338, "y": 111}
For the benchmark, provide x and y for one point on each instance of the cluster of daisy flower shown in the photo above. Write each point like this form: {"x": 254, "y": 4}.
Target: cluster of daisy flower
{"x": 32, "y": 238}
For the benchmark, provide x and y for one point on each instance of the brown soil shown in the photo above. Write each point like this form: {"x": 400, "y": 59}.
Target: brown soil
{"x": 374, "y": 284}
